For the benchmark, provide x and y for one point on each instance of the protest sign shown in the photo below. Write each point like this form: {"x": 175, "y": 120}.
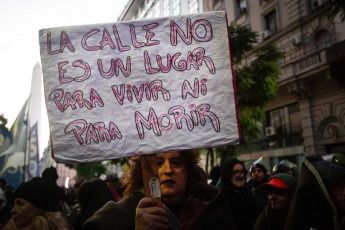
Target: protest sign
{"x": 139, "y": 87}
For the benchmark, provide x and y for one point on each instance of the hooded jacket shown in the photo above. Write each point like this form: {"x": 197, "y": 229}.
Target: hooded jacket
{"x": 312, "y": 207}
{"x": 241, "y": 202}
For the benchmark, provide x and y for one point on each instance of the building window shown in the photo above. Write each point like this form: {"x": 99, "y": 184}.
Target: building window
{"x": 156, "y": 9}
{"x": 166, "y": 7}
{"x": 193, "y": 6}
{"x": 241, "y": 7}
{"x": 176, "y": 7}
{"x": 270, "y": 23}
{"x": 215, "y": 2}
{"x": 315, "y": 4}
{"x": 322, "y": 39}
{"x": 285, "y": 120}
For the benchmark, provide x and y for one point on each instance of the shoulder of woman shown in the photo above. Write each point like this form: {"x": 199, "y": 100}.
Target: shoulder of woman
{"x": 10, "y": 225}
{"x": 40, "y": 223}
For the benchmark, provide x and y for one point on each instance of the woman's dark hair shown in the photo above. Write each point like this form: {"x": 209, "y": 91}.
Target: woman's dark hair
{"x": 196, "y": 175}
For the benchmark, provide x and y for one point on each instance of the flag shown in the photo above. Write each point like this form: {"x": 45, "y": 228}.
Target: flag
{"x": 33, "y": 167}
{"x": 32, "y": 156}
{"x": 12, "y": 159}
{"x": 47, "y": 161}
{"x": 20, "y": 160}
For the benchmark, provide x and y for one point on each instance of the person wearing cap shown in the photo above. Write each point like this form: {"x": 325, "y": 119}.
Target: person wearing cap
{"x": 35, "y": 205}
{"x": 280, "y": 189}
{"x": 339, "y": 158}
{"x": 319, "y": 202}
{"x": 258, "y": 176}
{"x": 286, "y": 166}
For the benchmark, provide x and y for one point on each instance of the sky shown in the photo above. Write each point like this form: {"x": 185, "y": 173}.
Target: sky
{"x": 20, "y": 21}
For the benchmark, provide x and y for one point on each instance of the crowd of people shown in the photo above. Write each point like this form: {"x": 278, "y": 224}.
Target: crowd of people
{"x": 236, "y": 198}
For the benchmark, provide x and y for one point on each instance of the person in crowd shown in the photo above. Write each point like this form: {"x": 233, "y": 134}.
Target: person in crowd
{"x": 286, "y": 166}
{"x": 3, "y": 183}
{"x": 52, "y": 175}
{"x": 114, "y": 185}
{"x": 319, "y": 202}
{"x": 7, "y": 190}
{"x": 280, "y": 189}
{"x": 73, "y": 194}
{"x": 339, "y": 158}
{"x": 93, "y": 195}
{"x": 241, "y": 200}
{"x": 5, "y": 210}
{"x": 215, "y": 175}
{"x": 258, "y": 176}
{"x": 35, "y": 207}
{"x": 188, "y": 201}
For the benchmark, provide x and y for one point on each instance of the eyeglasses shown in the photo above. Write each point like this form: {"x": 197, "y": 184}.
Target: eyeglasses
{"x": 238, "y": 172}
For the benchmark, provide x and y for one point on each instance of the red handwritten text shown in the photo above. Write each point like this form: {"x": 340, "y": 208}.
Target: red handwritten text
{"x": 63, "y": 101}
{"x": 96, "y": 132}
{"x": 165, "y": 121}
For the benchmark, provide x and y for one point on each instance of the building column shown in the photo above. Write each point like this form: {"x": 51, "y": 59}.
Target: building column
{"x": 307, "y": 127}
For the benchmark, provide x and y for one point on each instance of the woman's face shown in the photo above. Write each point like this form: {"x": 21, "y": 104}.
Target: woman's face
{"x": 172, "y": 176}
{"x": 23, "y": 212}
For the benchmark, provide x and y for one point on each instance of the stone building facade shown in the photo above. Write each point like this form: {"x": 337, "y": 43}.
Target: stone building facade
{"x": 308, "y": 116}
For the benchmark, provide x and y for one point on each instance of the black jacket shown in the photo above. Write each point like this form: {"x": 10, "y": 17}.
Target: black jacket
{"x": 121, "y": 215}
{"x": 270, "y": 219}
{"x": 312, "y": 206}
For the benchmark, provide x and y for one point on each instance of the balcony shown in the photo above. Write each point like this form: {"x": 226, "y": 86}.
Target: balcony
{"x": 310, "y": 62}
{"x": 272, "y": 142}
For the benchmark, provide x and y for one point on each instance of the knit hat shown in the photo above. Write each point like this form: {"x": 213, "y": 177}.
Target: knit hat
{"x": 281, "y": 180}
{"x": 260, "y": 166}
{"x": 41, "y": 192}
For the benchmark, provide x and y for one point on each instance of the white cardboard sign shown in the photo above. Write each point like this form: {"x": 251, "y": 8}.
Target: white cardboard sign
{"x": 139, "y": 87}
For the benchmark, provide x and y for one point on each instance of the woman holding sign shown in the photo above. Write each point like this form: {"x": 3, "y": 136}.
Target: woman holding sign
{"x": 188, "y": 201}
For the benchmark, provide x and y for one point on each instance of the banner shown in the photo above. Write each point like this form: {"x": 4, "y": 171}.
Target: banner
{"x": 139, "y": 87}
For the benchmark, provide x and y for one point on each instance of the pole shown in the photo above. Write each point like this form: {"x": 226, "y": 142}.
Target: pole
{"x": 27, "y": 148}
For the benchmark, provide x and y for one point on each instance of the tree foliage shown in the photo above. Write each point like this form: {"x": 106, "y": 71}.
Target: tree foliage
{"x": 333, "y": 7}
{"x": 256, "y": 82}
{"x": 90, "y": 170}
